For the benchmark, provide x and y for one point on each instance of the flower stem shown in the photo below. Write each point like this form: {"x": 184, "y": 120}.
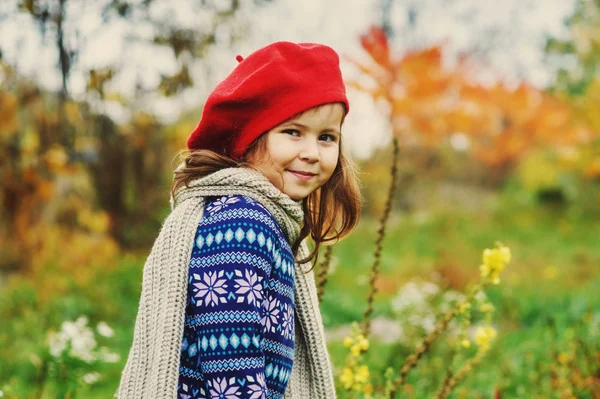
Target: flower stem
{"x": 323, "y": 272}
{"x": 366, "y": 328}
{"x": 412, "y": 360}
{"x": 461, "y": 374}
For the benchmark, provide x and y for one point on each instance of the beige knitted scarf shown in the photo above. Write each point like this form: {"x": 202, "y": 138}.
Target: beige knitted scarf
{"x": 152, "y": 368}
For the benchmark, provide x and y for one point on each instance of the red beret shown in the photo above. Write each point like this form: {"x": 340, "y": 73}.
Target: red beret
{"x": 267, "y": 88}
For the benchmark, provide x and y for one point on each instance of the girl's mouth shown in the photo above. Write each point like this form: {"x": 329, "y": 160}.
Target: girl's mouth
{"x": 302, "y": 176}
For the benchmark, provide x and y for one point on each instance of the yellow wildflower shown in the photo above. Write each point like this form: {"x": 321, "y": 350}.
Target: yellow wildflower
{"x": 486, "y": 307}
{"x": 465, "y": 343}
{"x": 347, "y": 377}
{"x": 362, "y": 375}
{"x": 463, "y": 307}
{"x": 494, "y": 261}
{"x": 348, "y": 341}
{"x": 564, "y": 358}
{"x": 355, "y": 350}
{"x": 362, "y": 342}
{"x": 484, "y": 335}
{"x": 368, "y": 389}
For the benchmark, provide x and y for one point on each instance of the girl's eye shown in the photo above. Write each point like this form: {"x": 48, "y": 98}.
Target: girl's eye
{"x": 292, "y": 132}
{"x": 328, "y": 137}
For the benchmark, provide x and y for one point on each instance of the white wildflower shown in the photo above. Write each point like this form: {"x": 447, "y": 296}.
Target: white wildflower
{"x": 91, "y": 378}
{"x": 428, "y": 323}
{"x": 386, "y": 330}
{"x": 57, "y": 343}
{"x": 76, "y": 335}
{"x": 429, "y": 289}
{"x": 108, "y": 357}
{"x": 450, "y": 299}
{"x": 480, "y": 296}
{"x": 105, "y": 330}
{"x": 414, "y": 294}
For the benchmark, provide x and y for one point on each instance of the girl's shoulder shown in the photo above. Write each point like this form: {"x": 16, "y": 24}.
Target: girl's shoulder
{"x": 242, "y": 219}
{"x": 216, "y": 204}
{"x": 239, "y": 210}
{"x": 239, "y": 217}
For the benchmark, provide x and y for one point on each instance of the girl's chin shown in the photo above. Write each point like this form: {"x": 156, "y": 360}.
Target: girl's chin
{"x": 299, "y": 194}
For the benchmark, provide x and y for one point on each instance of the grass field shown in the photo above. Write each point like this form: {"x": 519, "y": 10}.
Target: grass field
{"x": 547, "y": 306}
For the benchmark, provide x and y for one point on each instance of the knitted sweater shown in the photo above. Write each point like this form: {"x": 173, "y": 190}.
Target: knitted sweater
{"x": 152, "y": 367}
{"x": 238, "y": 337}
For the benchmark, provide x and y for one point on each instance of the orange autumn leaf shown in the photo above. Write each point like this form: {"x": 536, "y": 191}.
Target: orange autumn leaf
{"x": 376, "y": 44}
{"x": 429, "y": 103}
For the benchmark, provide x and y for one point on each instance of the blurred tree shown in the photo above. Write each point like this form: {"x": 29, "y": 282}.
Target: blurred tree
{"x": 578, "y": 77}
{"x": 62, "y": 158}
{"x": 578, "y": 56}
{"x": 430, "y": 103}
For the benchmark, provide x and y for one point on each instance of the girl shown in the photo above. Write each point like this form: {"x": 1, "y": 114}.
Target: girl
{"x": 228, "y": 306}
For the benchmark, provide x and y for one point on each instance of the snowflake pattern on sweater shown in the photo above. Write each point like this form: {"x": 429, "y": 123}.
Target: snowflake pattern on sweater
{"x": 238, "y": 338}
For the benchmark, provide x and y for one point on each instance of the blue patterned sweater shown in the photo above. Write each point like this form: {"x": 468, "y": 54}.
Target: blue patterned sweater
{"x": 238, "y": 338}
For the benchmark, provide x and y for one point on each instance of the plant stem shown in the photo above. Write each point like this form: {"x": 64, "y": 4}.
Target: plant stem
{"x": 412, "y": 360}
{"x": 462, "y": 373}
{"x": 323, "y": 272}
{"x": 447, "y": 379}
{"x": 366, "y": 328}
{"x": 42, "y": 378}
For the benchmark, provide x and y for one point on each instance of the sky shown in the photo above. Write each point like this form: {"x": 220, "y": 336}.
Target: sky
{"x": 507, "y": 36}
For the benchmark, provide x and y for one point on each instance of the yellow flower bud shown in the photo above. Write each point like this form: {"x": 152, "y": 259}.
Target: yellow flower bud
{"x": 362, "y": 374}
{"x": 363, "y": 342}
{"x": 355, "y": 350}
{"x": 487, "y": 307}
{"x": 494, "y": 261}
{"x": 463, "y": 307}
{"x": 484, "y": 335}
{"x": 348, "y": 341}
{"x": 347, "y": 378}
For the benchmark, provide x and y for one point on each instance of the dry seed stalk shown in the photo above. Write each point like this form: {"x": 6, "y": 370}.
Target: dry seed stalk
{"x": 323, "y": 272}
{"x": 412, "y": 360}
{"x": 461, "y": 374}
{"x": 379, "y": 241}
{"x": 447, "y": 379}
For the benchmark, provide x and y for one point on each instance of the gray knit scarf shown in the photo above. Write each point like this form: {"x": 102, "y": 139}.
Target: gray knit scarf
{"x": 152, "y": 368}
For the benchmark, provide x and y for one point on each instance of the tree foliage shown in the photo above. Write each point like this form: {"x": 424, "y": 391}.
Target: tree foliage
{"x": 430, "y": 102}
{"x": 67, "y": 167}
{"x": 578, "y": 76}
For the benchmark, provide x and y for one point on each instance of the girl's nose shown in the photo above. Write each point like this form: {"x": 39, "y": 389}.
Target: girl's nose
{"x": 310, "y": 151}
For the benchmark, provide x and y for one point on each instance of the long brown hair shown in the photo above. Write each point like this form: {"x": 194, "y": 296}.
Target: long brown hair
{"x": 330, "y": 213}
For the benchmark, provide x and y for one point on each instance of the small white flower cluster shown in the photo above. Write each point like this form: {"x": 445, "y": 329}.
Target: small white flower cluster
{"x": 416, "y": 305}
{"x": 91, "y": 378}
{"x": 79, "y": 342}
{"x": 414, "y": 294}
{"x": 75, "y": 335}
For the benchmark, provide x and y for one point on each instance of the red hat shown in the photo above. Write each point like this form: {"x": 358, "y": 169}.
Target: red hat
{"x": 267, "y": 88}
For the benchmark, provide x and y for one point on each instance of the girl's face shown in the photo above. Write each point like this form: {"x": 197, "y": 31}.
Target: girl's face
{"x": 302, "y": 152}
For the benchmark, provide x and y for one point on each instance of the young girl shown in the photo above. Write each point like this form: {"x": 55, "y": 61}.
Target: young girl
{"x": 228, "y": 306}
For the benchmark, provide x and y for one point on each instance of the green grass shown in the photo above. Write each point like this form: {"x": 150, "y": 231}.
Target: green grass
{"x": 538, "y": 310}
{"x": 539, "y": 315}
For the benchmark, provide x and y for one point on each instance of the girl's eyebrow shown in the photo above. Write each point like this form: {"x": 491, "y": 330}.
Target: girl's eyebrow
{"x": 327, "y": 130}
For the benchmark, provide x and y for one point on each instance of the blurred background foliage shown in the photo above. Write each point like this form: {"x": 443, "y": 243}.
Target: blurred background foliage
{"x": 84, "y": 194}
